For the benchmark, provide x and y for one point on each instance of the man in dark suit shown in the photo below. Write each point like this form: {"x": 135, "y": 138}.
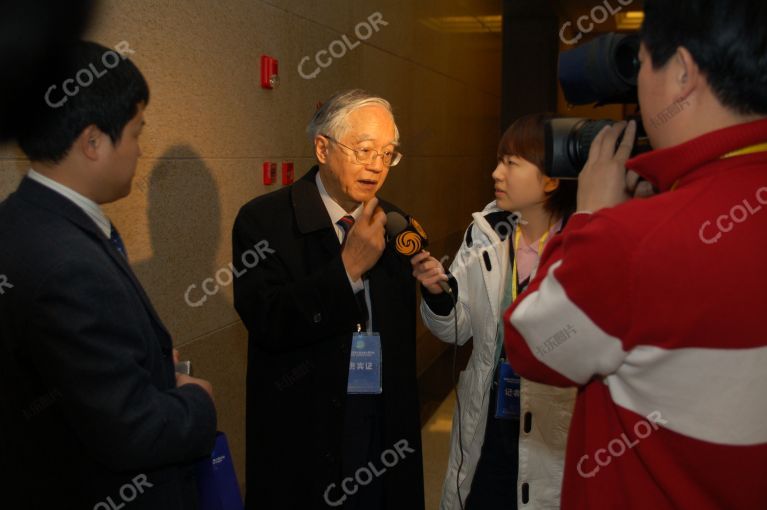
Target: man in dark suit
{"x": 314, "y": 440}
{"x": 93, "y": 414}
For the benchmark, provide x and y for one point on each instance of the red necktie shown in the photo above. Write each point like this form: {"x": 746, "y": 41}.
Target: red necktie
{"x": 346, "y": 224}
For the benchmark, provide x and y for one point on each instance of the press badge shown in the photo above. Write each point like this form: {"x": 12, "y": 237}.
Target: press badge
{"x": 507, "y": 405}
{"x": 365, "y": 364}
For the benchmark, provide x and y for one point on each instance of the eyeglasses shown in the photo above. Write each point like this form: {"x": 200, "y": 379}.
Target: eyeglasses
{"x": 367, "y": 156}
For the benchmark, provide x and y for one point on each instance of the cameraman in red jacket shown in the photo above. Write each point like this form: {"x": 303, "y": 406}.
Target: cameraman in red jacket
{"x": 666, "y": 340}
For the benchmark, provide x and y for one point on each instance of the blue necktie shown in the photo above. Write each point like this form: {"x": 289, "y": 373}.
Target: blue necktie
{"x": 117, "y": 242}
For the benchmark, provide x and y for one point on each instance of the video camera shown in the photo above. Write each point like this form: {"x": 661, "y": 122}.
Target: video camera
{"x": 602, "y": 71}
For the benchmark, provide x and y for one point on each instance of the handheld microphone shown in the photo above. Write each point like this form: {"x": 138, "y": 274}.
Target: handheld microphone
{"x": 408, "y": 238}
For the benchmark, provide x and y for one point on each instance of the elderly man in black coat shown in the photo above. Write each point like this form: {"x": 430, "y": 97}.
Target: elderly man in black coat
{"x": 332, "y": 418}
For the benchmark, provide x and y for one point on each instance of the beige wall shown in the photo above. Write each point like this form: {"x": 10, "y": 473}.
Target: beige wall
{"x": 211, "y": 126}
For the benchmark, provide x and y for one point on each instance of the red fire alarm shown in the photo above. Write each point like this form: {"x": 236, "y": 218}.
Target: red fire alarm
{"x": 288, "y": 173}
{"x": 270, "y": 74}
{"x": 270, "y": 173}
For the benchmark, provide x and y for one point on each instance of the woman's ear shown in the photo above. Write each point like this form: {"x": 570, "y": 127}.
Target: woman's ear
{"x": 550, "y": 184}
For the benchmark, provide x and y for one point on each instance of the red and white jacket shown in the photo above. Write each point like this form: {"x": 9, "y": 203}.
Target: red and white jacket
{"x": 657, "y": 310}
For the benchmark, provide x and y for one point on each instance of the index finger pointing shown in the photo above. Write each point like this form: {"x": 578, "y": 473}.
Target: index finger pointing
{"x": 370, "y": 207}
{"x": 380, "y": 215}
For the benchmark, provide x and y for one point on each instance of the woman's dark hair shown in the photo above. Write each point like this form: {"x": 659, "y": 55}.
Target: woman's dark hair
{"x": 727, "y": 39}
{"x": 56, "y": 118}
{"x": 526, "y": 139}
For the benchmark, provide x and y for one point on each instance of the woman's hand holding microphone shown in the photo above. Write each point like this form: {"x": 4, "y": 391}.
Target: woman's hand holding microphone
{"x": 429, "y": 272}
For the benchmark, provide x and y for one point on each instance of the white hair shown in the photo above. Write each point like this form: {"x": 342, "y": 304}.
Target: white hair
{"x": 330, "y": 119}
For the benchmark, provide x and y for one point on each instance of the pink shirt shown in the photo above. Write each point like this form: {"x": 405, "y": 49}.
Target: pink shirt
{"x": 527, "y": 254}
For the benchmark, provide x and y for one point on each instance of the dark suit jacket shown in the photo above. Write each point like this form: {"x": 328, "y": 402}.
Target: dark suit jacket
{"x": 300, "y": 312}
{"x": 89, "y": 403}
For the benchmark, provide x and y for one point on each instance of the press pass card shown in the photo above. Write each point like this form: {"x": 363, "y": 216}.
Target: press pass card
{"x": 365, "y": 364}
{"x": 507, "y": 406}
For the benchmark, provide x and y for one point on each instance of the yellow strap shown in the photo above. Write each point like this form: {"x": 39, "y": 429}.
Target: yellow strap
{"x": 517, "y": 235}
{"x": 751, "y": 149}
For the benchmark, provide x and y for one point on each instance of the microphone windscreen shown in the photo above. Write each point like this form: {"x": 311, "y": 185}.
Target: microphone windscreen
{"x": 395, "y": 223}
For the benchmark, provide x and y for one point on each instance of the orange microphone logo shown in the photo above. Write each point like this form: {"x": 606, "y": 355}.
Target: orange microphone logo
{"x": 408, "y": 243}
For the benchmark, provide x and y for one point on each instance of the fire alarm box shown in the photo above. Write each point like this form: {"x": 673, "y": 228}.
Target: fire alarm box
{"x": 288, "y": 173}
{"x": 270, "y": 75}
{"x": 270, "y": 173}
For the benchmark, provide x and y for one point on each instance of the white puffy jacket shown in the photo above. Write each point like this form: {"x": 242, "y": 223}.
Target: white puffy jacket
{"x": 480, "y": 268}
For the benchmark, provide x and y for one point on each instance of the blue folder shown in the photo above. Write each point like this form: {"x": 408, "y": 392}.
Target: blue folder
{"x": 216, "y": 480}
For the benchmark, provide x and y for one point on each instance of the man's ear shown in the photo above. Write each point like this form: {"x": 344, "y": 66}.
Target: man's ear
{"x": 685, "y": 73}
{"x": 90, "y": 141}
{"x": 550, "y": 184}
{"x": 321, "y": 147}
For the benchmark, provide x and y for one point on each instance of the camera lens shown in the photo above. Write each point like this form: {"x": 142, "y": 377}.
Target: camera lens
{"x": 581, "y": 137}
{"x": 568, "y": 142}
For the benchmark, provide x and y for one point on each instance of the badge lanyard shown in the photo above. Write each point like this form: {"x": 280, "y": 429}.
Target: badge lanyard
{"x": 509, "y": 392}
{"x": 751, "y": 149}
{"x": 514, "y": 275}
{"x": 514, "y": 271}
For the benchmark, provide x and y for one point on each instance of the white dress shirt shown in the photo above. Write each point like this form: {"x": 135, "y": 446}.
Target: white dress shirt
{"x": 337, "y": 212}
{"x": 88, "y": 206}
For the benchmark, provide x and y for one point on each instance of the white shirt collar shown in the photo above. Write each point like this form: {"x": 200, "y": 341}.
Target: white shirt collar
{"x": 88, "y": 206}
{"x": 335, "y": 211}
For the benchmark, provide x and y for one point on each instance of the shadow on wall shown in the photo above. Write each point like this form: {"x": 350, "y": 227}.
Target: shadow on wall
{"x": 184, "y": 223}
{"x": 184, "y": 215}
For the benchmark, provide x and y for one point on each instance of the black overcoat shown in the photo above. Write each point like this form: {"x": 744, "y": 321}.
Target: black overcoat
{"x": 300, "y": 312}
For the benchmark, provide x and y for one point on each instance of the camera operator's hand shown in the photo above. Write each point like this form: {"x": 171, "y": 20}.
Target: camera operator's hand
{"x": 638, "y": 187}
{"x": 602, "y": 183}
